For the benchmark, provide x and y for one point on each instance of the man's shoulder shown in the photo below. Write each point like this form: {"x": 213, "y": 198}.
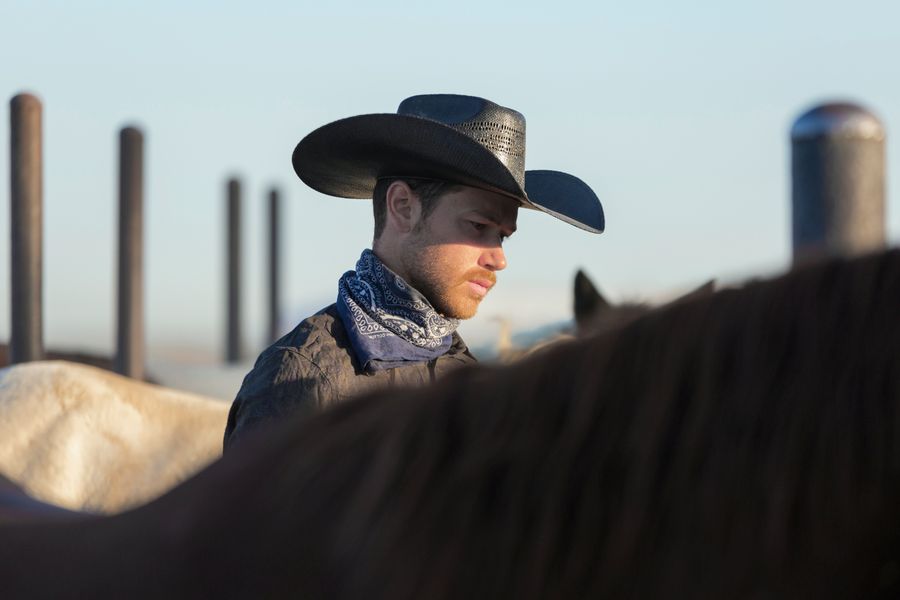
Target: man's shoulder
{"x": 319, "y": 339}
{"x": 316, "y": 328}
{"x": 300, "y": 371}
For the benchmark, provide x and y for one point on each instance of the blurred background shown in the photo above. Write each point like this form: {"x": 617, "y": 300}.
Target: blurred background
{"x": 677, "y": 114}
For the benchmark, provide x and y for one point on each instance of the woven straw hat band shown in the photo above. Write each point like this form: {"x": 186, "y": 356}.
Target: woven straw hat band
{"x": 499, "y": 129}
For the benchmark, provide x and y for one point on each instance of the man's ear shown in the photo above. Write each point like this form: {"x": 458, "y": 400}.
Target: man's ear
{"x": 403, "y": 207}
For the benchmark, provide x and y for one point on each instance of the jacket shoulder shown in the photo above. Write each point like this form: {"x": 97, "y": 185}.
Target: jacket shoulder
{"x": 281, "y": 383}
{"x": 299, "y": 372}
{"x": 322, "y": 341}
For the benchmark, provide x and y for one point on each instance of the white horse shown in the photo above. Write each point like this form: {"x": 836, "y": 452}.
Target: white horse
{"x": 87, "y": 439}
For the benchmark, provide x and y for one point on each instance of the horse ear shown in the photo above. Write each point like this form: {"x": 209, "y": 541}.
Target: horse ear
{"x": 707, "y": 289}
{"x": 588, "y": 301}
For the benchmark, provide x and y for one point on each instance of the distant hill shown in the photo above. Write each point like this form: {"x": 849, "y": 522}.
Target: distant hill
{"x": 525, "y": 338}
{"x": 530, "y": 337}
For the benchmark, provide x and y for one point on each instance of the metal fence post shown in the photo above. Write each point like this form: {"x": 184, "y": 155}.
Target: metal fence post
{"x": 233, "y": 253}
{"x": 838, "y": 189}
{"x": 130, "y": 327}
{"x": 26, "y": 193}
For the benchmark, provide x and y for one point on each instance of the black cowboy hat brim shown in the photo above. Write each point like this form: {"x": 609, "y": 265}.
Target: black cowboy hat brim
{"x": 565, "y": 197}
{"x": 345, "y": 159}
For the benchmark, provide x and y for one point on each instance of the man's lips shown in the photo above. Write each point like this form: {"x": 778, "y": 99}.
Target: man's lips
{"x": 480, "y": 286}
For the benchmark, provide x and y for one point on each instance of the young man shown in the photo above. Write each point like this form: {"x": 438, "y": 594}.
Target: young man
{"x": 446, "y": 175}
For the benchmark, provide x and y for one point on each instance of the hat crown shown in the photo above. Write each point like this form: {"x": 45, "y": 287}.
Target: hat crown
{"x": 499, "y": 129}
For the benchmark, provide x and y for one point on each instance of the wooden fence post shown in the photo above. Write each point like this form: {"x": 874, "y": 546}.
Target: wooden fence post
{"x": 274, "y": 265}
{"x": 233, "y": 251}
{"x": 26, "y": 192}
{"x": 129, "y": 359}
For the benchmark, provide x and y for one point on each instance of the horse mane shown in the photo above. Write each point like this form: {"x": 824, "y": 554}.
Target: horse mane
{"x": 744, "y": 444}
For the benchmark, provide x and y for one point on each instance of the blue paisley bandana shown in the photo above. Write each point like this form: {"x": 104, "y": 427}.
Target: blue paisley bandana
{"x": 389, "y": 323}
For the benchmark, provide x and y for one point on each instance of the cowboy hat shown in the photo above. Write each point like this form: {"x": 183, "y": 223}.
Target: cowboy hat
{"x": 462, "y": 139}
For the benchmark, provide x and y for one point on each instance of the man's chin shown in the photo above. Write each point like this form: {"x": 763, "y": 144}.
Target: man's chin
{"x": 456, "y": 302}
{"x": 461, "y": 310}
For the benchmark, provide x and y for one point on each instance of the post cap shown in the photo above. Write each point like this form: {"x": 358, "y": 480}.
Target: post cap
{"x": 843, "y": 120}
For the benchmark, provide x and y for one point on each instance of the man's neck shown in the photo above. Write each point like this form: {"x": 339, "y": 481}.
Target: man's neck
{"x": 389, "y": 258}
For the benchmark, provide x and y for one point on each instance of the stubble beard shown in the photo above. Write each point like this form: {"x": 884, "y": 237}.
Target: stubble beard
{"x": 430, "y": 274}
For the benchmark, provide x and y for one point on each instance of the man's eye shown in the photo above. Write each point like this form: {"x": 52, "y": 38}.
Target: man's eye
{"x": 478, "y": 226}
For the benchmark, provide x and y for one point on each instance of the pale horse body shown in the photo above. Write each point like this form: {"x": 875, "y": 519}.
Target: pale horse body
{"x": 86, "y": 439}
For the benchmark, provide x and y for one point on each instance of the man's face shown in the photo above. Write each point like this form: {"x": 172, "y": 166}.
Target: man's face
{"x": 453, "y": 255}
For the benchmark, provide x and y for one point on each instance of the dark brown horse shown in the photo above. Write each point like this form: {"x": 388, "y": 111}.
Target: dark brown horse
{"x": 741, "y": 445}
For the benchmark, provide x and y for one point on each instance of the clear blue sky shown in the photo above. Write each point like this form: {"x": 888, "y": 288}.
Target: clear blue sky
{"x": 675, "y": 112}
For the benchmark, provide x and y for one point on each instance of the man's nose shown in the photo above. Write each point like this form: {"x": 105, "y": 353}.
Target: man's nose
{"x": 493, "y": 259}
